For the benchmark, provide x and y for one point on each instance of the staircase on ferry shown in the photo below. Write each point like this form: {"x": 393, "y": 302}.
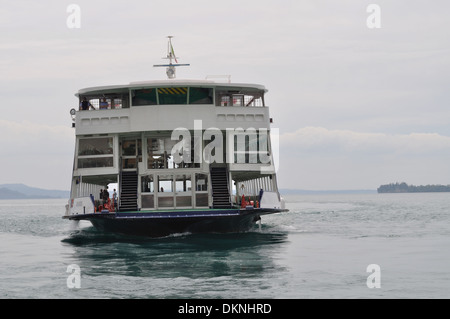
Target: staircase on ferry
{"x": 220, "y": 190}
{"x": 128, "y": 191}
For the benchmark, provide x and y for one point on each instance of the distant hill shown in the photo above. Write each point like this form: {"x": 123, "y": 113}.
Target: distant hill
{"x": 21, "y": 191}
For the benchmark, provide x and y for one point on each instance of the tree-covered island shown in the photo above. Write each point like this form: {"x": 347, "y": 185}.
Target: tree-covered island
{"x": 405, "y": 188}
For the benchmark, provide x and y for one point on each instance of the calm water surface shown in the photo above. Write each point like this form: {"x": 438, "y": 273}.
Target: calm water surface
{"x": 320, "y": 249}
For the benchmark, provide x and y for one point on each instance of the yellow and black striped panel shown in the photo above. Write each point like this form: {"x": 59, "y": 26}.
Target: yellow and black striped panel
{"x": 173, "y": 91}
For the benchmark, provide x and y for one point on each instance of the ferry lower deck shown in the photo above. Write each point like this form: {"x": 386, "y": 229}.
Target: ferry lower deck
{"x": 165, "y": 223}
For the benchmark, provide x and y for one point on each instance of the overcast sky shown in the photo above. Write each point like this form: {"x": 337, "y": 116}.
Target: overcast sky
{"x": 356, "y": 107}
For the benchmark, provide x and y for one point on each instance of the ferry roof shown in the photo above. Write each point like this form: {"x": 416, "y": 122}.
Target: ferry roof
{"x": 169, "y": 83}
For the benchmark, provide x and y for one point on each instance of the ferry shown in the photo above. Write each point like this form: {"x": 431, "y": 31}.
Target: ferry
{"x": 157, "y": 158}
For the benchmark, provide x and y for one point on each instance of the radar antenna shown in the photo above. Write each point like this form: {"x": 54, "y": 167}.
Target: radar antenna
{"x": 170, "y": 71}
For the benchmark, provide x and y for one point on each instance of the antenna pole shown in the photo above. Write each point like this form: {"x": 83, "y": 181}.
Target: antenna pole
{"x": 170, "y": 68}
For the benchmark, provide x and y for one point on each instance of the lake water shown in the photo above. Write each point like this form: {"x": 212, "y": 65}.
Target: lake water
{"x": 321, "y": 248}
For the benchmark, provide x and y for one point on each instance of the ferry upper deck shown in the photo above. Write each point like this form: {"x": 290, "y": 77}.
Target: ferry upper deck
{"x": 129, "y": 129}
{"x": 168, "y": 104}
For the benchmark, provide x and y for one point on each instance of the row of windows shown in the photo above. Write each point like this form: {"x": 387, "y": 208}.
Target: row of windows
{"x": 171, "y": 183}
{"x": 173, "y": 191}
{"x": 249, "y": 147}
{"x": 179, "y": 95}
{"x": 173, "y": 95}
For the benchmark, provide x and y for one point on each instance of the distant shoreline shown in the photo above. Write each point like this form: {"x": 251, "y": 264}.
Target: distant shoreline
{"x": 405, "y": 188}
{"x": 318, "y": 192}
{"x": 418, "y": 189}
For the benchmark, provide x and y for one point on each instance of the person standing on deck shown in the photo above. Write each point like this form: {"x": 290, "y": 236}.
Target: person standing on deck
{"x": 85, "y": 105}
{"x": 115, "y": 198}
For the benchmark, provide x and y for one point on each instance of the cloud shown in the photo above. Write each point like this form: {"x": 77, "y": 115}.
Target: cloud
{"x": 314, "y": 157}
{"x": 36, "y": 155}
{"x": 325, "y": 71}
{"x": 319, "y": 138}
{"x": 25, "y": 136}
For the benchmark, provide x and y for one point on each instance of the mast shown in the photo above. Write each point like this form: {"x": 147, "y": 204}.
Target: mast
{"x": 170, "y": 68}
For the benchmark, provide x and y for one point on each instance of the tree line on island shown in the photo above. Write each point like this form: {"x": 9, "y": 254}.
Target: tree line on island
{"x": 405, "y": 188}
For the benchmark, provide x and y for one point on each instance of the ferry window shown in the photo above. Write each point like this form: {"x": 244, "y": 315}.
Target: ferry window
{"x": 131, "y": 153}
{"x": 201, "y": 188}
{"x": 229, "y": 99}
{"x": 201, "y": 182}
{"x": 95, "y": 146}
{"x": 225, "y": 100}
{"x": 110, "y": 103}
{"x": 160, "y": 156}
{"x": 95, "y": 162}
{"x": 165, "y": 184}
{"x": 189, "y": 157}
{"x": 155, "y": 151}
{"x": 147, "y": 184}
{"x": 95, "y": 152}
{"x": 200, "y": 95}
{"x": 253, "y": 100}
{"x": 129, "y": 163}
{"x": 251, "y": 147}
{"x": 176, "y": 95}
{"x": 144, "y": 97}
{"x": 183, "y": 183}
{"x": 246, "y": 147}
{"x": 240, "y": 99}
{"x": 159, "y": 153}
{"x": 116, "y": 103}
{"x": 130, "y": 147}
{"x": 95, "y": 103}
{"x": 155, "y": 145}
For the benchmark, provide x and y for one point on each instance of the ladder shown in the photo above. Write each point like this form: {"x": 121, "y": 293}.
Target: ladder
{"x": 220, "y": 190}
{"x": 128, "y": 191}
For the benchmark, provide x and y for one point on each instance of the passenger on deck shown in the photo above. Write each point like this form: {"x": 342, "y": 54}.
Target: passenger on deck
{"x": 85, "y": 105}
{"x": 105, "y": 195}
{"x": 115, "y": 198}
{"x": 103, "y": 104}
